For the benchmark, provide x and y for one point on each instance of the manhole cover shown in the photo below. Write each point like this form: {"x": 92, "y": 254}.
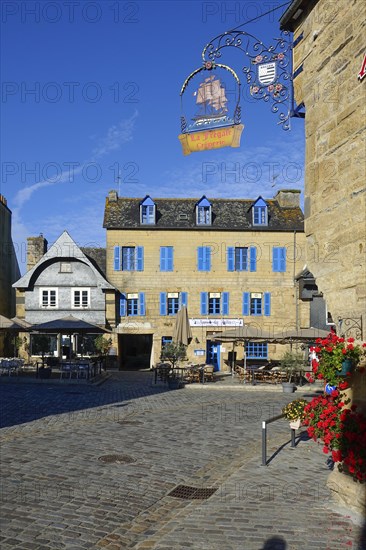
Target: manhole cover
{"x": 191, "y": 493}
{"x": 116, "y": 459}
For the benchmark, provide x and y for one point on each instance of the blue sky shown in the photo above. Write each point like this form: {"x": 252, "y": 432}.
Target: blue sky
{"x": 106, "y": 78}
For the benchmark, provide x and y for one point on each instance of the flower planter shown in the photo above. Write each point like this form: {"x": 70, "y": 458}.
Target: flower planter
{"x": 328, "y": 389}
{"x": 295, "y": 424}
{"x": 45, "y": 372}
{"x": 288, "y": 387}
{"x": 174, "y": 383}
{"x": 347, "y": 367}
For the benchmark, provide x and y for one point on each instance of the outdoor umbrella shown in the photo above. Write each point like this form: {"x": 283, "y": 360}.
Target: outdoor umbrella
{"x": 10, "y": 325}
{"x": 300, "y": 335}
{"x": 69, "y": 325}
{"x": 243, "y": 334}
{"x": 182, "y": 330}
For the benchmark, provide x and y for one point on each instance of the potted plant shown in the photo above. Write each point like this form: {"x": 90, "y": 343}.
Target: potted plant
{"x": 336, "y": 359}
{"x": 291, "y": 362}
{"x": 294, "y": 412}
{"x": 103, "y": 345}
{"x": 173, "y": 352}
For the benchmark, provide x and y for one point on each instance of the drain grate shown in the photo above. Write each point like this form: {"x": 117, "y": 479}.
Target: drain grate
{"x": 192, "y": 493}
{"x": 117, "y": 459}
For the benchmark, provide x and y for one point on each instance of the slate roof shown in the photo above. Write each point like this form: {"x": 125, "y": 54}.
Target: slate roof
{"x": 227, "y": 215}
{"x": 98, "y": 257}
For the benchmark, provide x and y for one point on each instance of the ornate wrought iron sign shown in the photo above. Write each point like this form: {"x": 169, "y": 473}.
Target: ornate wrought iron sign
{"x": 268, "y": 74}
{"x": 214, "y": 113}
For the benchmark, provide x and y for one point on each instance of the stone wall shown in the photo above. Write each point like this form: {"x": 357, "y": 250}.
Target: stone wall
{"x": 9, "y": 270}
{"x": 331, "y": 53}
{"x": 186, "y": 278}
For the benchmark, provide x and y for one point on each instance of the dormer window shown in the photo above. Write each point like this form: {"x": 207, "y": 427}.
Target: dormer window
{"x": 147, "y": 211}
{"x": 203, "y": 212}
{"x": 260, "y": 212}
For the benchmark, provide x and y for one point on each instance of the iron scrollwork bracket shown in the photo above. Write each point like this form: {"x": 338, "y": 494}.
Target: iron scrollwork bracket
{"x": 264, "y": 61}
{"x": 349, "y": 326}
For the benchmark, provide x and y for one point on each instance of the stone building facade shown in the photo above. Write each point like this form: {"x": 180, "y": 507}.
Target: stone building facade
{"x": 9, "y": 268}
{"x": 329, "y": 50}
{"x": 61, "y": 281}
{"x": 230, "y": 261}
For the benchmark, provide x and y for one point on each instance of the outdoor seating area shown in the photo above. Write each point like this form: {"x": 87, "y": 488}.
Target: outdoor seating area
{"x": 10, "y": 366}
{"x": 189, "y": 374}
{"x": 268, "y": 374}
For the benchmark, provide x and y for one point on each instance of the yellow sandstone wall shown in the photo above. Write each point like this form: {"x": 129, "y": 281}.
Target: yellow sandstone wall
{"x": 331, "y": 53}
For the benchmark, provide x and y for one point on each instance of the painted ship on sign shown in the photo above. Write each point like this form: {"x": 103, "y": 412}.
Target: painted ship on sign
{"x": 212, "y": 101}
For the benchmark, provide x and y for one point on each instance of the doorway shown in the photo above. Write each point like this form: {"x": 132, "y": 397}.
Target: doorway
{"x": 213, "y": 354}
{"x": 134, "y": 351}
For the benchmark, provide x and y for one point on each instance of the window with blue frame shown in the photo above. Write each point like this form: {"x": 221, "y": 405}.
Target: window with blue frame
{"x": 203, "y": 212}
{"x": 241, "y": 258}
{"x": 171, "y": 302}
{"x": 173, "y": 305}
{"x": 166, "y": 258}
{"x": 260, "y": 212}
{"x": 257, "y": 303}
{"x": 214, "y": 303}
{"x": 256, "y": 350}
{"x": 214, "y": 306}
{"x": 166, "y": 340}
{"x": 279, "y": 259}
{"x": 204, "y": 258}
{"x": 131, "y": 305}
{"x": 147, "y": 211}
{"x": 256, "y": 306}
{"x": 129, "y": 258}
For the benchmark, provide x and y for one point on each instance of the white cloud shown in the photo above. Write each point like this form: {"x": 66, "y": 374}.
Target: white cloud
{"x": 116, "y": 136}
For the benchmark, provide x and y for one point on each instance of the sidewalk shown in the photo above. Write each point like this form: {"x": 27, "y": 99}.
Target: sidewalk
{"x": 58, "y": 494}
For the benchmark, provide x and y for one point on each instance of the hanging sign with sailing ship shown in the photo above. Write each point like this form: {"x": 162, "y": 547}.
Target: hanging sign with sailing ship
{"x": 214, "y": 118}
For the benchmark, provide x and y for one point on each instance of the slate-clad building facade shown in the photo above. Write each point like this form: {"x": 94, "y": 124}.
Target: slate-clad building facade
{"x": 230, "y": 261}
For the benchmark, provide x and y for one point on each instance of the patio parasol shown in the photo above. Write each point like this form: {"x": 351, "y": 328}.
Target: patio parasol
{"x": 182, "y": 330}
{"x": 69, "y": 325}
{"x": 300, "y": 335}
{"x": 244, "y": 334}
{"x": 11, "y": 325}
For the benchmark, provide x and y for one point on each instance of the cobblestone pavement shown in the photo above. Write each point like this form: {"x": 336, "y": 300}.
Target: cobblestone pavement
{"x": 56, "y": 493}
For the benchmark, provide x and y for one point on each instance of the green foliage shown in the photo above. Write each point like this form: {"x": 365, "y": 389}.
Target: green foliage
{"x": 292, "y": 361}
{"x": 102, "y": 344}
{"x": 173, "y": 352}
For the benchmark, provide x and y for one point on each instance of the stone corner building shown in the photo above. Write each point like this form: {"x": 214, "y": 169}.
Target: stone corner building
{"x": 329, "y": 49}
{"x": 230, "y": 261}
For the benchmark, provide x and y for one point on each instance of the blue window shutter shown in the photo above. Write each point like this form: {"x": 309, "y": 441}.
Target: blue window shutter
{"x": 283, "y": 259}
{"x": 183, "y": 298}
{"x": 140, "y": 258}
{"x": 117, "y": 258}
{"x": 253, "y": 258}
{"x": 267, "y": 303}
{"x": 200, "y": 253}
{"x": 225, "y": 303}
{"x": 162, "y": 258}
{"x": 142, "y": 303}
{"x": 208, "y": 258}
{"x": 169, "y": 266}
{"x": 246, "y": 302}
{"x": 230, "y": 258}
{"x": 162, "y": 303}
{"x": 204, "y": 304}
{"x": 275, "y": 259}
{"x": 122, "y": 305}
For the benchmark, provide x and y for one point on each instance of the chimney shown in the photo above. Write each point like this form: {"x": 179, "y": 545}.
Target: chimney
{"x": 288, "y": 198}
{"x": 36, "y": 248}
{"x": 3, "y": 200}
{"x": 113, "y": 196}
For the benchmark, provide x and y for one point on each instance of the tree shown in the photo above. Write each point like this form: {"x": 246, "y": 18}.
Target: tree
{"x": 291, "y": 362}
{"x": 102, "y": 345}
{"x": 173, "y": 352}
